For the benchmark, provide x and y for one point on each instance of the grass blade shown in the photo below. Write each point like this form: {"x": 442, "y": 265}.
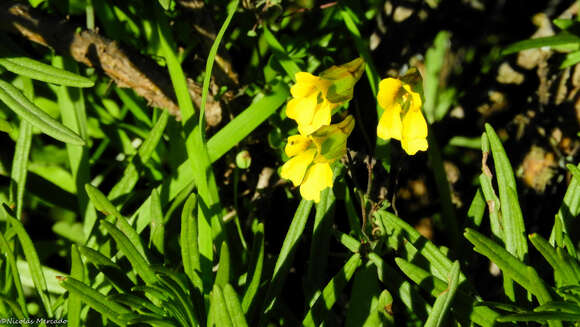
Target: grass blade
{"x": 16, "y": 101}
{"x": 549, "y": 41}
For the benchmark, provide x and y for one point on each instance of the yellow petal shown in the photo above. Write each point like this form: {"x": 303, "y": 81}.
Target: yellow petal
{"x": 296, "y": 144}
{"x": 295, "y": 168}
{"x": 414, "y": 132}
{"x": 390, "y": 124}
{"x": 388, "y": 90}
{"x": 302, "y": 109}
{"x": 321, "y": 117}
{"x": 416, "y": 102}
{"x": 306, "y": 84}
{"x": 318, "y": 177}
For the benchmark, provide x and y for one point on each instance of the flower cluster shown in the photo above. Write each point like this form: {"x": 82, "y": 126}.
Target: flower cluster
{"x": 319, "y": 143}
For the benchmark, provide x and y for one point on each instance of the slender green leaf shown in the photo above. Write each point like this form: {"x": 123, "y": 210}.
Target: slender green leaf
{"x": 32, "y": 259}
{"x": 20, "y": 166}
{"x": 434, "y": 60}
{"x": 540, "y": 317}
{"x": 244, "y": 123}
{"x": 224, "y": 273}
{"x": 466, "y": 306}
{"x": 95, "y": 300}
{"x": 326, "y": 300}
{"x": 256, "y": 264}
{"x": 508, "y": 264}
{"x": 285, "y": 61}
{"x": 9, "y": 254}
{"x": 476, "y": 209}
{"x": 284, "y": 261}
{"x": 43, "y": 72}
{"x": 513, "y": 223}
{"x": 157, "y": 236}
{"x": 406, "y": 292}
{"x": 74, "y": 300}
{"x": 16, "y": 101}
{"x": 139, "y": 262}
{"x": 559, "y": 263}
{"x": 234, "y": 307}
{"x": 549, "y": 41}
{"x": 188, "y": 241}
{"x": 221, "y": 316}
{"x": 443, "y": 303}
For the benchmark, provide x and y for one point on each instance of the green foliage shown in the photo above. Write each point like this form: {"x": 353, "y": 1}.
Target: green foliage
{"x": 142, "y": 219}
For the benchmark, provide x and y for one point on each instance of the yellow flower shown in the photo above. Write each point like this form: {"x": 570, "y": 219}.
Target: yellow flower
{"x": 310, "y": 108}
{"x": 398, "y": 100}
{"x": 312, "y": 155}
{"x": 315, "y": 97}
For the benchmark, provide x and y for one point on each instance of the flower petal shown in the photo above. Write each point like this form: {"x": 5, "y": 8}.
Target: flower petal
{"x": 318, "y": 177}
{"x": 321, "y": 117}
{"x": 302, "y": 109}
{"x": 416, "y": 102}
{"x": 295, "y": 168}
{"x": 297, "y": 144}
{"x": 390, "y": 125}
{"x": 388, "y": 90}
{"x": 414, "y": 132}
{"x": 306, "y": 84}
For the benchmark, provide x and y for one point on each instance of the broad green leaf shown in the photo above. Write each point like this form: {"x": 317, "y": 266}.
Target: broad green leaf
{"x": 443, "y": 303}
{"x": 95, "y": 300}
{"x": 318, "y": 311}
{"x": 569, "y": 210}
{"x": 43, "y": 72}
{"x": 548, "y": 41}
{"x": 23, "y": 107}
{"x": 32, "y": 259}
